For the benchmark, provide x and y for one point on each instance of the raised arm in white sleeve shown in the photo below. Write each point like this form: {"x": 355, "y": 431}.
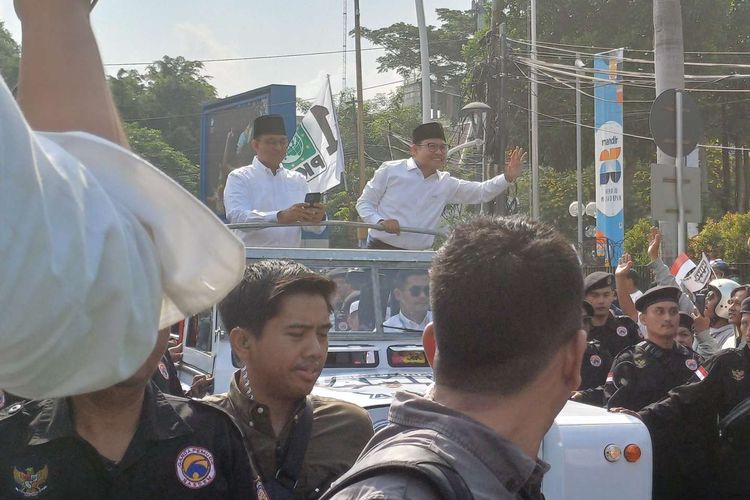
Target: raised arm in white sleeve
{"x": 479, "y": 192}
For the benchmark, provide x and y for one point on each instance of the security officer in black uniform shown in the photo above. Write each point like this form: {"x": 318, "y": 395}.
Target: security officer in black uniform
{"x": 594, "y": 367}
{"x": 644, "y": 373}
{"x": 707, "y": 423}
{"x": 126, "y": 441}
{"x": 613, "y": 333}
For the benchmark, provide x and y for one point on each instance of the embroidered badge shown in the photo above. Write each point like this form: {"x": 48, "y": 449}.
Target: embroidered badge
{"x": 691, "y": 364}
{"x": 195, "y": 467}
{"x": 260, "y": 490}
{"x": 2, "y": 399}
{"x": 622, "y": 331}
{"x": 30, "y": 483}
{"x": 595, "y": 361}
{"x": 163, "y": 370}
{"x": 738, "y": 375}
{"x": 639, "y": 362}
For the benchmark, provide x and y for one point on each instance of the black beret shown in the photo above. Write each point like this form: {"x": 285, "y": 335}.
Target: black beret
{"x": 588, "y": 308}
{"x": 432, "y": 130}
{"x": 686, "y": 321}
{"x": 268, "y": 124}
{"x": 658, "y": 294}
{"x": 745, "y": 306}
{"x": 598, "y": 279}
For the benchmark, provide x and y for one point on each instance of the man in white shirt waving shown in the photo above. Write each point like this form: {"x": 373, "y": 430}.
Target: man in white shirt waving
{"x": 412, "y": 291}
{"x": 264, "y": 191}
{"x": 413, "y": 192}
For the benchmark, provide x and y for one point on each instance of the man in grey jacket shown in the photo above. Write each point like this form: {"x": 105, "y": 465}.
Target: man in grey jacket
{"x": 502, "y": 370}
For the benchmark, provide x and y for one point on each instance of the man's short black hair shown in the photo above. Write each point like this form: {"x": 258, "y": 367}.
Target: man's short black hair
{"x": 403, "y": 275}
{"x": 257, "y": 298}
{"x": 506, "y": 294}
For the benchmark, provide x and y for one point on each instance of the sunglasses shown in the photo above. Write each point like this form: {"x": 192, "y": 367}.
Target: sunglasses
{"x": 416, "y": 290}
{"x": 613, "y": 176}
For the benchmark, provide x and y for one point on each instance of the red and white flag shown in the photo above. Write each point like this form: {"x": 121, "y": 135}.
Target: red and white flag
{"x": 701, "y": 373}
{"x": 682, "y": 265}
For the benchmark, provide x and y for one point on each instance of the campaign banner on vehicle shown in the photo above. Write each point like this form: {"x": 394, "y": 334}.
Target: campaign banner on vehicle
{"x": 608, "y": 140}
{"x": 316, "y": 151}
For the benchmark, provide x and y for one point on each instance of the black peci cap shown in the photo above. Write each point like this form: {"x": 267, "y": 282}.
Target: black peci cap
{"x": 268, "y": 124}
{"x": 598, "y": 279}
{"x": 432, "y": 130}
{"x": 658, "y": 294}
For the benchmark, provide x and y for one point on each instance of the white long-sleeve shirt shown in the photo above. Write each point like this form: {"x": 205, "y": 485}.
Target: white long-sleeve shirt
{"x": 254, "y": 194}
{"x": 400, "y": 323}
{"x": 398, "y": 190}
{"x": 98, "y": 249}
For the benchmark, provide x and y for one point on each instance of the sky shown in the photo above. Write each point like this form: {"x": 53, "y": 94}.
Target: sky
{"x": 142, "y": 31}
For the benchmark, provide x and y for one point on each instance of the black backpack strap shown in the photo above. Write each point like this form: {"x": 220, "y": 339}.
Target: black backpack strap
{"x": 290, "y": 464}
{"x": 412, "y": 460}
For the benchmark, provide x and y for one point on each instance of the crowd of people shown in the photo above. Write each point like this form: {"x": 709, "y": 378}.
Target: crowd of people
{"x": 110, "y": 253}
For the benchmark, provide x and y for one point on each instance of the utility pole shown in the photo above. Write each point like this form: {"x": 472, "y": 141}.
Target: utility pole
{"x": 343, "y": 52}
{"x": 669, "y": 68}
{"x": 579, "y": 170}
{"x": 534, "y": 120}
{"x": 361, "y": 235}
{"x": 424, "y": 53}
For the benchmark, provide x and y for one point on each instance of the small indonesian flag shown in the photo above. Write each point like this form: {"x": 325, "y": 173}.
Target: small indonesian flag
{"x": 610, "y": 377}
{"x": 681, "y": 266}
{"x": 701, "y": 373}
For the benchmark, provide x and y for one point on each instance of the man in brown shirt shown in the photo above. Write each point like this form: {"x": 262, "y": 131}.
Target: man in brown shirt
{"x": 278, "y": 318}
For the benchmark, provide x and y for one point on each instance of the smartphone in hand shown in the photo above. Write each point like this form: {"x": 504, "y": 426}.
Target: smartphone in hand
{"x": 312, "y": 198}
{"x": 700, "y": 303}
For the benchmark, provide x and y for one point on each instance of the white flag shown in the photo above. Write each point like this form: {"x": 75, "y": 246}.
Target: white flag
{"x": 316, "y": 150}
{"x": 700, "y": 276}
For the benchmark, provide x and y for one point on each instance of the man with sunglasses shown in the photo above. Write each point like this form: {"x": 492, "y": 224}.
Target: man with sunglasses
{"x": 412, "y": 291}
{"x": 265, "y": 191}
{"x": 413, "y": 192}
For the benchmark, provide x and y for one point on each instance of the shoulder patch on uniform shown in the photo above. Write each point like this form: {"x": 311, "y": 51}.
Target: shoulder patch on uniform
{"x": 622, "y": 331}
{"x": 29, "y": 481}
{"x": 595, "y": 360}
{"x": 691, "y": 364}
{"x": 738, "y": 375}
{"x": 163, "y": 370}
{"x": 639, "y": 362}
{"x": 195, "y": 467}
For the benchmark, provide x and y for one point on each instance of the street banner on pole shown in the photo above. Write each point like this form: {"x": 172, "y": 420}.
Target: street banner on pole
{"x": 608, "y": 139}
{"x": 316, "y": 150}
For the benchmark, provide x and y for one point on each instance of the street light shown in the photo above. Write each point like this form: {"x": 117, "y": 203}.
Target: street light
{"x": 579, "y": 172}
{"x": 476, "y": 112}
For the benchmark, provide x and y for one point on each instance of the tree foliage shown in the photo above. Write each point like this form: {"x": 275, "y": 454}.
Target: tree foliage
{"x": 167, "y": 96}
{"x": 150, "y": 144}
{"x": 10, "y": 54}
{"x": 724, "y": 238}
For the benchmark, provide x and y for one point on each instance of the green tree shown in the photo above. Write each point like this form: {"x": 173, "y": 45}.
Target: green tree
{"x": 10, "y": 54}
{"x": 725, "y": 238}
{"x": 167, "y": 96}
{"x": 150, "y": 144}
{"x": 636, "y": 241}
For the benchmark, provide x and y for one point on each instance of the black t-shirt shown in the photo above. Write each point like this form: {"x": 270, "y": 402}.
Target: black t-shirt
{"x": 181, "y": 449}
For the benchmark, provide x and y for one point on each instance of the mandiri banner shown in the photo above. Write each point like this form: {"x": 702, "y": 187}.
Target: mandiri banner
{"x": 608, "y": 140}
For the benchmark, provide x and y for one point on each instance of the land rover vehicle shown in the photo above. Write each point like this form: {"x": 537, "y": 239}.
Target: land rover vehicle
{"x": 594, "y": 454}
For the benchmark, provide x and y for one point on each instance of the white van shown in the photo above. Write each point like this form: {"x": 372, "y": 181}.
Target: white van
{"x": 594, "y": 454}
